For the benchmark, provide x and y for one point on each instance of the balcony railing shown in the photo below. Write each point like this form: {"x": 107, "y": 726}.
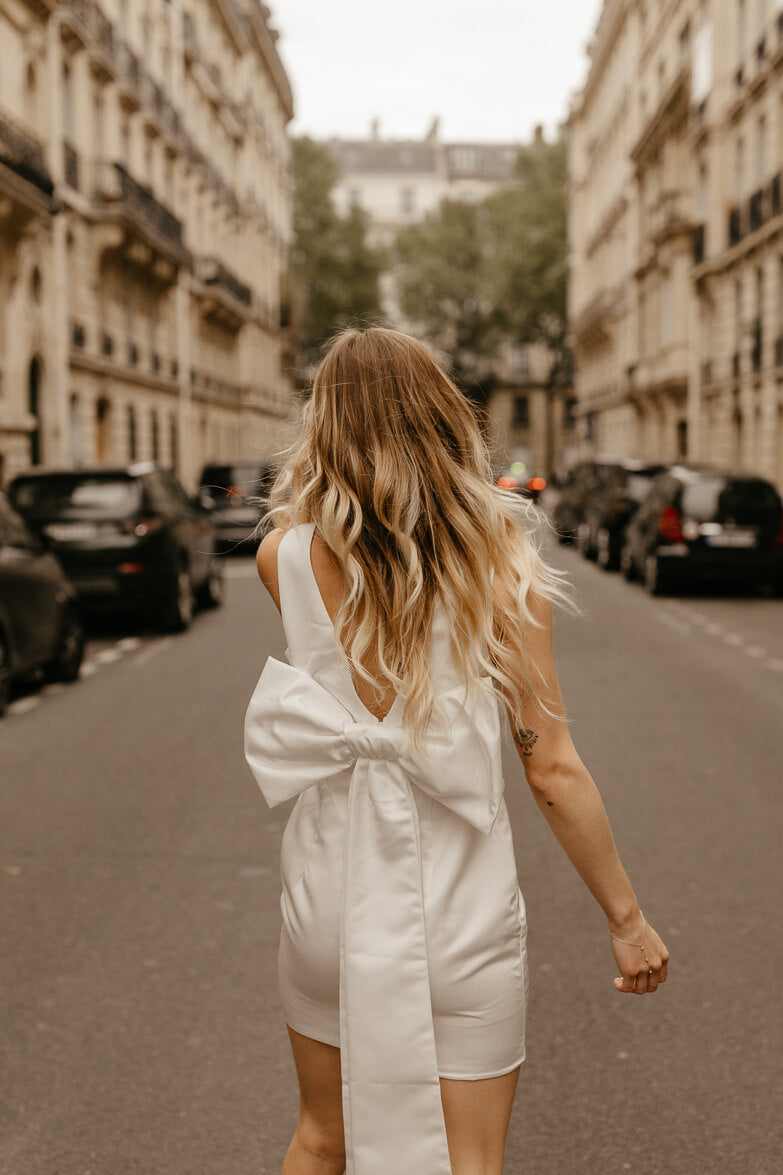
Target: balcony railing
{"x": 114, "y": 185}
{"x": 213, "y": 272}
{"x": 71, "y": 165}
{"x": 20, "y": 151}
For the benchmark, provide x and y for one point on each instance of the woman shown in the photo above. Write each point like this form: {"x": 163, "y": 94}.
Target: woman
{"x": 413, "y": 597}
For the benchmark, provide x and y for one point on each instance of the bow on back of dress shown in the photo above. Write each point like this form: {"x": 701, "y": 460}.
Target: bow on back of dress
{"x": 297, "y": 735}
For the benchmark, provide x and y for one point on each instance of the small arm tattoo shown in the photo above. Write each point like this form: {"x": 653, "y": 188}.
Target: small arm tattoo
{"x": 526, "y": 740}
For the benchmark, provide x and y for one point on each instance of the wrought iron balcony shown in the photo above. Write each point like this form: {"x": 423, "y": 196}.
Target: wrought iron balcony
{"x": 213, "y": 273}
{"x": 116, "y": 188}
{"x": 23, "y": 154}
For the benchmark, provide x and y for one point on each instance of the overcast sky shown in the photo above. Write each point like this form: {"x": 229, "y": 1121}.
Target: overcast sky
{"x": 491, "y": 69}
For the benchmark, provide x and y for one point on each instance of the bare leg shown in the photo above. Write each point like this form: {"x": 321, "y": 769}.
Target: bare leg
{"x": 477, "y": 1116}
{"x": 318, "y": 1147}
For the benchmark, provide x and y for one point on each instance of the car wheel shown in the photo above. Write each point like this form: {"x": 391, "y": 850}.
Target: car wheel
{"x": 5, "y": 676}
{"x": 67, "y": 661}
{"x": 211, "y": 592}
{"x": 179, "y": 612}
{"x": 656, "y": 582}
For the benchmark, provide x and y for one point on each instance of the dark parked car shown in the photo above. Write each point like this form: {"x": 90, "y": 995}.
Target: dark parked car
{"x": 521, "y": 482}
{"x": 128, "y": 537}
{"x": 702, "y": 524}
{"x": 39, "y": 624}
{"x": 572, "y": 492}
{"x": 615, "y": 496}
{"x": 233, "y": 486}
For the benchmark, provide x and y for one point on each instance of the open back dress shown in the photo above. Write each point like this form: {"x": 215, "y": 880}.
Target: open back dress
{"x": 403, "y": 926}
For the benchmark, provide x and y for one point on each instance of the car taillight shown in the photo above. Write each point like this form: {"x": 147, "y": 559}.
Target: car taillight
{"x": 536, "y": 484}
{"x": 670, "y": 525}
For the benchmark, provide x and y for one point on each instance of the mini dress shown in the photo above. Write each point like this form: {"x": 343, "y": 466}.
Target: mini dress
{"x": 403, "y": 936}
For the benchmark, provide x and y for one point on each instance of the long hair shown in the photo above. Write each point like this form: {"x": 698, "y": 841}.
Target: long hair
{"x": 392, "y": 468}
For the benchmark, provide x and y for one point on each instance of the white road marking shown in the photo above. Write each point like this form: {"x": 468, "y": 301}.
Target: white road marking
{"x": 775, "y": 664}
{"x": 107, "y": 656}
{"x": 734, "y": 638}
{"x": 128, "y": 643}
{"x": 714, "y": 629}
{"x": 23, "y": 705}
{"x": 88, "y": 668}
{"x": 756, "y": 651}
{"x": 51, "y": 690}
{"x": 152, "y": 650}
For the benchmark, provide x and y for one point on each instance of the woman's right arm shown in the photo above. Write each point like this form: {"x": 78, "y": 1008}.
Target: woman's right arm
{"x": 571, "y": 804}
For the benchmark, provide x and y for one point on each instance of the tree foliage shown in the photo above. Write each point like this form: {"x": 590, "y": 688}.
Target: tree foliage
{"x": 528, "y": 247}
{"x": 471, "y": 275}
{"x": 334, "y": 271}
{"x": 441, "y": 280}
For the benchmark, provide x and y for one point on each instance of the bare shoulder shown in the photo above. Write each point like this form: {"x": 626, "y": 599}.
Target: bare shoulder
{"x": 266, "y": 562}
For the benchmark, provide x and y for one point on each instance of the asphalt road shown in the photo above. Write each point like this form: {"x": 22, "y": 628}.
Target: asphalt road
{"x": 139, "y": 882}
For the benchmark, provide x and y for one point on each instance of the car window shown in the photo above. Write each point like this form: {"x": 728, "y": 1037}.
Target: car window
{"x": 158, "y": 492}
{"x": 222, "y": 480}
{"x": 720, "y": 498}
{"x": 637, "y": 486}
{"x": 13, "y": 532}
{"x": 49, "y": 497}
{"x": 175, "y": 489}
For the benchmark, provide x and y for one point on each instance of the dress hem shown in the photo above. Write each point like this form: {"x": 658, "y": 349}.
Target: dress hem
{"x": 319, "y": 1037}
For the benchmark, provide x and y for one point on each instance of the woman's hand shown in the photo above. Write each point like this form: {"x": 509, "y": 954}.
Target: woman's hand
{"x": 642, "y": 959}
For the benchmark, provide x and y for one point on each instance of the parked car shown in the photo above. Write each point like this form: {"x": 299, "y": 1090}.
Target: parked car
{"x": 39, "y": 623}
{"x": 128, "y": 537}
{"x": 703, "y": 524}
{"x": 522, "y": 482}
{"x": 235, "y": 488}
{"x": 573, "y": 490}
{"x": 618, "y": 492}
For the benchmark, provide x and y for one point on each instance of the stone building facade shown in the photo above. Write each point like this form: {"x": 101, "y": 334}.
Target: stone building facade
{"x": 676, "y": 288}
{"x": 145, "y": 203}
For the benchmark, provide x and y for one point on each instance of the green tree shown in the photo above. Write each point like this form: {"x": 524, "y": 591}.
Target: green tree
{"x": 441, "y": 285}
{"x": 528, "y": 251}
{"x": 334, "y": 271}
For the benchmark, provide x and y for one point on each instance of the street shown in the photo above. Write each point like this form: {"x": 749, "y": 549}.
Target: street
{"x": 139, "y": 866}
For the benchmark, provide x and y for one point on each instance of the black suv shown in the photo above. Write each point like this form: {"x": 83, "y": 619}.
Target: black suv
{"x": 699, "y": 523}
{"x": 128, "y": 537}
{"x": 39, "y": 625}
{"x": 239, "y": 490}
{"x": 615, "y": 495}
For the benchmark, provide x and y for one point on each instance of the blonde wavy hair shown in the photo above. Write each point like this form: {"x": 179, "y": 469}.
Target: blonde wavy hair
{"x": 391, "y": 466}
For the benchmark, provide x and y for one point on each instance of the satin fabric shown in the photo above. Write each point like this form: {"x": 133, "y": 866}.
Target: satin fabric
{"x": 296, "y": 736}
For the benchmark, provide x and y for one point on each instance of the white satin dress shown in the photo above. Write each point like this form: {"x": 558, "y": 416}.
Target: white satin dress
{"x": 403, "y": 926}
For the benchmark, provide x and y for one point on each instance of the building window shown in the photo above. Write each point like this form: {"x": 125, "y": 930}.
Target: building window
{"x": 739, "y": 169}
{"x": 132, "y": 453}
{"x": 521, "y": 412}
{"x": 761, "y": 151}
{"x": 173, "y": 441}
{"x": 741, "y": 30}
{"x": 155, "y": 435}
{"x": 407, "y": 201}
